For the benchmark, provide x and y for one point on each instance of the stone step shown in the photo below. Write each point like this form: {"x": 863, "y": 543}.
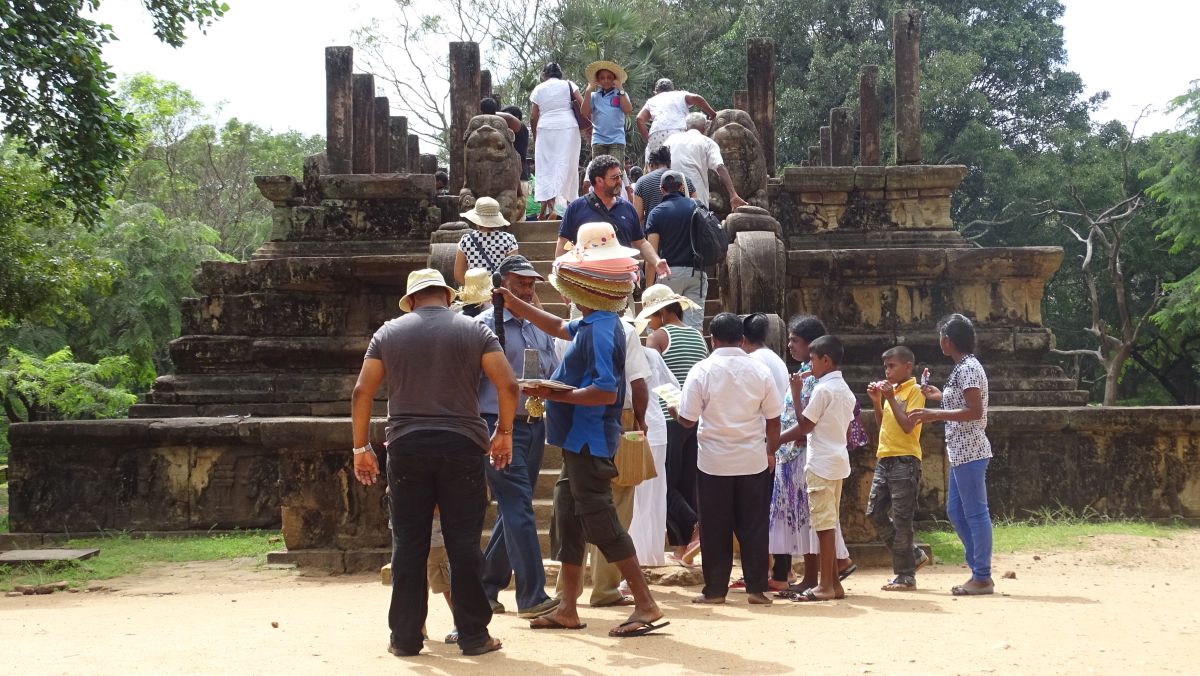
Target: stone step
{"x": 537, "y": 251}
{"x": 535, "y": 231}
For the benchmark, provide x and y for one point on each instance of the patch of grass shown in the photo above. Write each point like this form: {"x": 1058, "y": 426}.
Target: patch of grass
{"x": 1046, "y": 529}
{"x": 3, "y": 508}
{"x": 124, "y": 555}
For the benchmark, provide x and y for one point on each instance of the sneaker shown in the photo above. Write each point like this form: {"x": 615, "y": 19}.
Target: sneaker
{"x": 537, "y": 611}
{"x": 497, "y": 607}
{"x": 922, "y": 560}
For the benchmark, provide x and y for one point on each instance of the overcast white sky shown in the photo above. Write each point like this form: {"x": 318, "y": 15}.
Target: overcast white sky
{"x": 265, "y": 58}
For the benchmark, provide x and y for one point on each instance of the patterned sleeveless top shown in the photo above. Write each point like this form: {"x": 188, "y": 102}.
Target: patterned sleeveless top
{"x": 685, "y": 348}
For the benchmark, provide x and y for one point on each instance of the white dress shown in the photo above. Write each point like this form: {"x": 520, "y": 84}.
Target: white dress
{"x": 649, "y": 526}
{"x": 556, "y": 149}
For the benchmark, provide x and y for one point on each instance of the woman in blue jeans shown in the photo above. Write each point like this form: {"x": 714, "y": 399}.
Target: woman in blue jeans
{"x": 964, "y": 410}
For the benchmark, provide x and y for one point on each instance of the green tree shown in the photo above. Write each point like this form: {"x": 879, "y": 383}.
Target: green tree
{"x": 56, "y": 92}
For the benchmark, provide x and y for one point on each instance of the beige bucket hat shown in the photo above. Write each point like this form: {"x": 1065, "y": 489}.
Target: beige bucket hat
{"x": 660, "y": 296}
{"x": 486, "y": 214}
{"x": 423, "y": 279}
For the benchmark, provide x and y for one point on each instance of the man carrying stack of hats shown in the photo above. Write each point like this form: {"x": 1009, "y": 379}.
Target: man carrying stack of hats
{"x": 597, "y": 275}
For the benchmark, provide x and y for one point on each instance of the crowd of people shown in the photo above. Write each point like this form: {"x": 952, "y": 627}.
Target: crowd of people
{"x": 672, "y": 450}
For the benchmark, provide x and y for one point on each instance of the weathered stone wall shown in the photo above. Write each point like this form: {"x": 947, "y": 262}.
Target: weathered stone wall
{"x": 296, "y": 473}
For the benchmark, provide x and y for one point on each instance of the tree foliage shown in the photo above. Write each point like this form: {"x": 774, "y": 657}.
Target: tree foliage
{"x": 56, "y": 93}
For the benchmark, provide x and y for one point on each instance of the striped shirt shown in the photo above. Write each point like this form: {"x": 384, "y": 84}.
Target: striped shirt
{"x": 685, "y": 347}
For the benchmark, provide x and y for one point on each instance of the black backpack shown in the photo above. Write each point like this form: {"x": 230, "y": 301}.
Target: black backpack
{"x": 709, "y": 240}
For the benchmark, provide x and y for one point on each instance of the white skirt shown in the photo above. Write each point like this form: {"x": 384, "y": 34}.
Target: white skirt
{"x": 649, "y": 526}
{"x": 557, "y": 172}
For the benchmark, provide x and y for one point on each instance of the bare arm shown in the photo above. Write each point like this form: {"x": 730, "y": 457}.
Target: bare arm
{"x": 561, "y": 247}
{"x": 585, "y": 105}
{"x": 460, "y": 266}
{"x": 973, "y": 410}
{"x": 640, "y": 394}
{"x": 496, "y": 368}
{"x": 626, "y": 103}
{"x": 735, "y": 200}
{"x": 773, "y": 428}
{"x": 643, "y": 124}
{"x": 905, "y": 421}
{"x": 653, "y": 262}
{"x": 640, "y": 207}
{"x": 366, "y": 468}
{"x": 651, "y": 270}
{"x": 549, "y": 324}
{"x": 514, "y": 125}
{"x": 585, "y": 396}
{"x": 534, "y": 114}
{"x": 699, "y": 102}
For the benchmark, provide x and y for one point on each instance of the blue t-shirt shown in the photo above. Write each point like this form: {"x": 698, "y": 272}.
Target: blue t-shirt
{"x": 579, "y": 212}
{"x": 671, "y": 220}
{"x": 596, "y": 357}
{"x": 608, "y": 120}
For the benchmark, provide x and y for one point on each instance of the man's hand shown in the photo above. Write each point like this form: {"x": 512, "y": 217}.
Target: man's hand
{"x": 735, "y": 202}
{"x": 771, "y": 462}
{"x": 662, "y": 270}
{"x": 501, "y": 450}
{"x": 366, "y": 468}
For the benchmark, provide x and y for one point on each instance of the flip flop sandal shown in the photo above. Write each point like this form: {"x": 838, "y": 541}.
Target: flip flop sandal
{"x": 623, "y": 601}
{"x": 847, "y": 571}
{"x": 552, "y": 623}
{"x": 452, "y": 637}
{"x": 900, "y": 584}
{"x": 491, "y": 646}
{"x": 642, "y": 630}
{"x": 809, "y": 596}
{"x": 961, "y": 590}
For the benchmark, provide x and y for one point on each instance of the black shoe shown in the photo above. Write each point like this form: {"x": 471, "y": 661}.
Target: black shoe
{"x": 398, "y": 652}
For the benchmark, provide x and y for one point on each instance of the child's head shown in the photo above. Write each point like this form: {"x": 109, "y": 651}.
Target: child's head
{"x": 755, "y": 328}
{"x": 898, "y": 364}
{"x": 802, "y": 331}
{"x": 956, "y": 335}
{"x": 826, "y": 355}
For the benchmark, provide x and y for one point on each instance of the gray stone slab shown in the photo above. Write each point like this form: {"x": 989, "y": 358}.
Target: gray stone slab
{"x": 18, "y": 556}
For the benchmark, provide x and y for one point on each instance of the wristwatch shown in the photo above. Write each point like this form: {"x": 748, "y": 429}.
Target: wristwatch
{"x": 362, "y": 449}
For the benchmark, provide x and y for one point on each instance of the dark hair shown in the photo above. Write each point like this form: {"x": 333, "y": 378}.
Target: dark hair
{"x": 552, "y": 69}
{"x": 600, "y": 165}
{"x": 663, "y": 85}
{"x": 488, "y": 106}
{"x": 807, "y": 327}
{"x": 755, "y": 327}
{"x": 441, "y": 176}
{"x": 671, "y": 181}
{"x": 675, "y": 309}
{"x": 514, "y": 111}
{"x": 902, "y": 353}
{"x": 660, "y": 157}
{"x": 827, "y": 346}
{"x": 959, "y": 330}
{"x": 635, "y": 172}
{"x": 727, "y": 328}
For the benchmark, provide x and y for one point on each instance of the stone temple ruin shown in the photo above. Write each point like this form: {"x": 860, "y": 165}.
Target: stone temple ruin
{"x": 252, "y": 430}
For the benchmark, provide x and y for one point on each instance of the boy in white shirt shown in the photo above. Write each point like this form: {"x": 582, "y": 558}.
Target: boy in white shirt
{"x": 825, "y": 421}
{"x": 732, "y": 395}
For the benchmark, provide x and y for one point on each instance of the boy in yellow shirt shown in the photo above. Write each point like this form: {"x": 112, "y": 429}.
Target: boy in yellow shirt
{"x": 897, "y": 482}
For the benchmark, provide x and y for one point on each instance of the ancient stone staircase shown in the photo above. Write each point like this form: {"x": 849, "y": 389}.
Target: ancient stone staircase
{"x": 536, "y": 241}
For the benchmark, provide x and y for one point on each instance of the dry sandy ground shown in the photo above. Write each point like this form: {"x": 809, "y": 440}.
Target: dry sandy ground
{"x": 1123, "y": 605}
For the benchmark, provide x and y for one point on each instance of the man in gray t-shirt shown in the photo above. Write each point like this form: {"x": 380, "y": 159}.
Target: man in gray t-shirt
{"x": 432, "y": 359}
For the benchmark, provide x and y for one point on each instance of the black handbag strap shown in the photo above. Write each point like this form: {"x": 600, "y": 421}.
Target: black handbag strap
{"x": 478, "y": 240}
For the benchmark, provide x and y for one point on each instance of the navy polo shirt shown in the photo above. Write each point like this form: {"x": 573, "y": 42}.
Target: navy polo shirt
{"x": 579, "y": 212}
{"x": 596, "y": 357}
{"x": 671, "y": 220}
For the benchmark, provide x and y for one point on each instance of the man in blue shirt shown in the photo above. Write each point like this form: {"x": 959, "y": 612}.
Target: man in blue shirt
{"x": 586, "y": 423}
{"x": 602, "y": 205}
{"x": 514, "y": 545}
{"x": 669, "y": 231}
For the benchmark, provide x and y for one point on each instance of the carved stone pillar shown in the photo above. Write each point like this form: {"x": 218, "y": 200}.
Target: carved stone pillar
{"x": 364, "y": 124}
{"x": 760, "y": 96}
{"x": 398, "y": 138}
{"x": 464, "y": 104}
{"x": 339, "y": 106}
{"x": 868, "y": 117}
{"x": 841, "y": 146}
{"x": 383, "y": 135}
{"x": 906, "y": 33}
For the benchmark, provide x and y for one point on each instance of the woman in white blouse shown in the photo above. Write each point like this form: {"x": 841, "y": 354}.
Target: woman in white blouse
{"x": 556, "y": 139}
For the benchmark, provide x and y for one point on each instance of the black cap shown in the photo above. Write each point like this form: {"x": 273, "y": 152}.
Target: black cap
{"x": 517, "y": 265}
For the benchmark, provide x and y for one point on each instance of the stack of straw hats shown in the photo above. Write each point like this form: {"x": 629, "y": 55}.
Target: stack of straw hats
{"x": 598, "y": 273}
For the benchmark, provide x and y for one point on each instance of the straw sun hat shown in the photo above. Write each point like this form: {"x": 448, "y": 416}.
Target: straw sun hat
{"x": 486, "y": 214}
{"x": 660, "y": 296}
{"x": 477, "y": 286}
{"x": 595, "y": 67}
{"x": 423, "y": 279}
{"x": 596, "y": 242}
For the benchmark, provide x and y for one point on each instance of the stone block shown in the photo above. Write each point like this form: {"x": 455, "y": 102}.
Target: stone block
{"x": 329, "y": 560}
{"x": 410, "y": 187}
{"x": 748, "y": 219}
{"x": 925, "y": 176}
{"x": 869, "y": 178}
{"x": 818, "y": 179}
{"x": 280, "y": 190}
{"x": 369, "y": 560}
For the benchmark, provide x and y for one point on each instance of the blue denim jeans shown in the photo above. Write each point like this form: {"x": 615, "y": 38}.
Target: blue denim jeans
{"x": 514, "y": 547}
{"x": 967, "y": 508}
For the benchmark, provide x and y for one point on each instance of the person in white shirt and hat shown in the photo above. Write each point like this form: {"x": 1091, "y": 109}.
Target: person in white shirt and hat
{"x": 431, "y": 359}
